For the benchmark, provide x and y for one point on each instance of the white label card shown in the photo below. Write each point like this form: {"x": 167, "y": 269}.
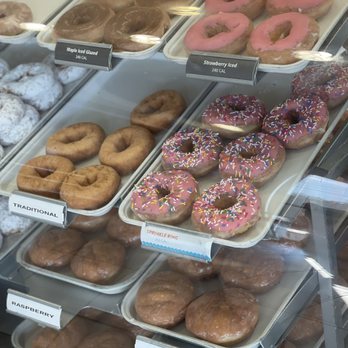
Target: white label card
{"x": 173, "y": 240}
{"x": 144, "y": 342}
{"x": 29, "y": 307}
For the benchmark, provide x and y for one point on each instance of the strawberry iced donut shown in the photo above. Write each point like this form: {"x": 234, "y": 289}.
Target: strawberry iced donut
{"x": 276, "y": 39}
{"x": 297, "y": 122}
{"x": 313, "y": 8}
{"x": 251, "y": 8}
{"x": 227, "y": 208}
{"x": 165, "y": 197}
{"x": 256, "y": 157}
{"x": 222, "y": 32}
{"x": 234, "y": 115}
{"x": 192, "y": 149}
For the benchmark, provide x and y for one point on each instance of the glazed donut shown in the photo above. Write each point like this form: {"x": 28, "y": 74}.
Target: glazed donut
{"x": 90, "y": 187}
{"x": 251, "y": 8}
{"x": 148, "y": 21}
{"x": 17, "y": 119}
{"x": 83, "y": 22}
{"x": 276, "y": 39}
{"x": 4, "y": 67}
{"x": 192, "y": 149}
{"x": 78, "y": 142}
{"x": 35, "y": 83}
{"x": 227, "y": 208}
{"x": 312, "y": 8}
{"x": 256, "y": 157}
{"x": 159, "y": 110}
{"x": 221, "y": 32}
{"x": 328, "y": 81}
{"x": 126, "y": 148}
{"x": 165, "y": 197}
{"x": 90, "y": 224}
{"x": 12, "y": 14}
{"x": 297, "y": 122}
{"x": 166, "y": 5}
{"x": 223, "y": 317}
{"x": 116, "y": 5}
{"x": 234, "y": 115}
{"x": 44, "y": 175}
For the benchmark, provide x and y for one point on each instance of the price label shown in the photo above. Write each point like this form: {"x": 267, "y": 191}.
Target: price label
{"x": 222, "y": 67}
{"x": 38, "y": 208}
{"x": 176, "y": 241}
{"x": 86, "y": 54}
{"x": 32, "y": 308}
{"x": 144, "y": 342}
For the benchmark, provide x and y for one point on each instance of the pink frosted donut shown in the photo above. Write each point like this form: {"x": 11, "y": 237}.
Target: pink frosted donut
{"x": 328, "y": 81}
{"x": 222, "y": 32}
{"x": 227, "y": 208}
{"x": 251, "y": 8}
{"x": 275, "y": 39}
{"x": 234, "y": 115}
{"x": 256, "y": 157}
{"x": 297, "y": 122}
{"x": 165, "y": 197}
{"x": 313, "y": 8}
{"x": 192, "y": 149}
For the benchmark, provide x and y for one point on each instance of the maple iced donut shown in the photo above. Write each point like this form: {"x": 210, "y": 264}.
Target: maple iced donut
{"x": 192, "y": 149}
{"x": 297, "y": 122}
{"x": 313, "y": 8}
{"x": 276, "y": 39}
{"x": 165, "y": 197}
{"x": 251, "y": 8}
{"x": 234, "y": 115}
{"x": 227, "y": 208}
{"x": 256, "y": 157}
{"x": 222, "y": 32}
{"x": 328, "y": 81}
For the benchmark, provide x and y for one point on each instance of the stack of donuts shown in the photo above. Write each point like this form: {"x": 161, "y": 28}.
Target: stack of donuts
{"x": 228, "y": 27}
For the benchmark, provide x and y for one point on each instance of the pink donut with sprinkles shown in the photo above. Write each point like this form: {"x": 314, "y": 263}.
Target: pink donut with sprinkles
{"x": 328, "y": 81}
{"x": 165, "y": 197}
{"x": 234, "y": 115}
{"x": 192, "y": 149}
{"x": 222, "y": 32}
{"x": 256, "y": 157}
{"x": 227, "y": 208}
{"x": 299, "y": 122}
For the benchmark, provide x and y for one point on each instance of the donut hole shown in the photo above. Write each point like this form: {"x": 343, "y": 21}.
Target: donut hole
{"x": 81, "y": 19}
{"x": 72, "y": 138}
{"x": 218, "y": 28}
{"x": 247, "y": 154}
{"x": 162, "y": 192}
{"x": 236, "y": 107}
{"x": 224, "y": 202}
{"x": 187, "y": 146}
{"x": 135, "y": 26}
{"x": 280, "y": 32}
{"x": 293, "y": 117}
{"x": 44, "y": 172}
{"x": 121, "y": 145}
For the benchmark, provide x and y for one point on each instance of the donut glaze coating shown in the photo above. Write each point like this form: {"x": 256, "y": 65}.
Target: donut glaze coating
{"x": 159, "y": 110}
{"x": 192, "y": 149}
{"x": 328, "y": 81}
{"x": 256, "y": 157}
{"x": 222, "y": 32}
{"x": 227, "y": 208}
{"x": 125, "y": 149}
{"x": 78, "y": 142}
{"x": 224, "y": 317}
{"x": 164, "y": 196}
{"x": 12, "y": 14}
{"x": 44, "y": 175}
{"x": 234, "y": 115}
{"x": 275, "y": 39}
{"x": 90, "y": 187}
{"x": 297, "y": 122}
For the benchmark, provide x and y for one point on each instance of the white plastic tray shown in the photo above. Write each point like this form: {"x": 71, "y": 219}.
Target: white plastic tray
{"x": 271, "y": 303}
{"x": 42, "y": 12}
{"x": 272, "y": 89}
{"x": 176, "y": 51}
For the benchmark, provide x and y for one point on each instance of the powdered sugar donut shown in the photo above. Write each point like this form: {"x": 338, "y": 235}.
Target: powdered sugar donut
{"x": 68, "y": 74}
{"x": 35, "y": 83}
{"x": 4, "y": 68}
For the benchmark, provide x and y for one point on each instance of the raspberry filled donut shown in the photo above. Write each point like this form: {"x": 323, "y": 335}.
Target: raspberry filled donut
{"x": 297, "y": 123}
{"x": 222, "y": 32}
{"x": 192, "y": 149}
{"x": 227, "y": 208}
{"x": 234, "y": 115}
{"x": 276, "y": 39}
{"x": 256, "y": 157}
{"x": 328, "y": 81}
{"x": 165, "y": 197}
